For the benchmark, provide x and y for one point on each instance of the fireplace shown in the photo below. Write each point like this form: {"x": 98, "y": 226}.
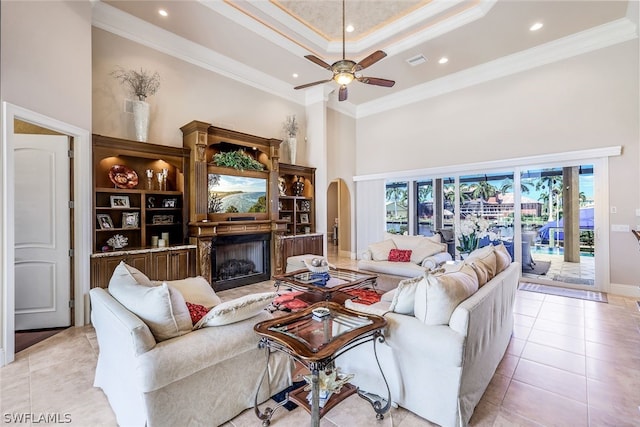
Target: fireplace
{"x": 238, "y": 260}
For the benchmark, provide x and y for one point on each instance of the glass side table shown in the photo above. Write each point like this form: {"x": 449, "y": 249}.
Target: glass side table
{"x": 315, "y": 337}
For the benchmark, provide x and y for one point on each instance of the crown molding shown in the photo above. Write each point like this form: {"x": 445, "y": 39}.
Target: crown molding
{"x": 602, "y": 36}
{"x": 115, "y": 21}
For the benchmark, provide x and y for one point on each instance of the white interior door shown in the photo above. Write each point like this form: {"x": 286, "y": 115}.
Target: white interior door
{"x": 42, "y": 233}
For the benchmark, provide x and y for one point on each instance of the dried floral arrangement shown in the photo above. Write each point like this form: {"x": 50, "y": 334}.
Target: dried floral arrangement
{"x": 141, "y": 83}
{"x": 291, "y": 126}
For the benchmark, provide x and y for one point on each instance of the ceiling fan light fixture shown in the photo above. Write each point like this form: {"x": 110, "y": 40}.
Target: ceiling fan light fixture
{"x": 343, "y": 78}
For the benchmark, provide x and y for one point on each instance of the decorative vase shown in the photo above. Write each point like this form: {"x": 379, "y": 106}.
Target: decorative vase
{"x": 141, "y": 120}
{"x": 291, "y": 145}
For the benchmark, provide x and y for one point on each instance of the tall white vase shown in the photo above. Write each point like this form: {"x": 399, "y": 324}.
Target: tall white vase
{"x": 291, "y": 145}
{"x": 141, "y": 119}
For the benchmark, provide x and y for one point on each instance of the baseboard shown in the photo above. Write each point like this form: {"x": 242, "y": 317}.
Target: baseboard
{"x": 632, "y": 291}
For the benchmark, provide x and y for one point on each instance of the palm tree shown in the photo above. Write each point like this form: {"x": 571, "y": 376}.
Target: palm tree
{"x": 424, "y": 191}
{"x": 483, "y": 190}
{"x": 508, "y": 185}
{"x": 554, "y": 185}
{"x": 395, "y": 193}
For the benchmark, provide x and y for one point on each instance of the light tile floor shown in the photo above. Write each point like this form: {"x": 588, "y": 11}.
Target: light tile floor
{"x": 570, "y": 363}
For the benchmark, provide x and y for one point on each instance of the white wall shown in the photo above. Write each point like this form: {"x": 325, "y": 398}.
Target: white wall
{"x": 45, "y": 69}
{"x": 186, "y": 93}
{"x": 589, "y": 101}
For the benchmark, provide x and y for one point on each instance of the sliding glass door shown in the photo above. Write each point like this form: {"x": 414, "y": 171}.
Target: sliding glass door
{"x": 558, "y": 225}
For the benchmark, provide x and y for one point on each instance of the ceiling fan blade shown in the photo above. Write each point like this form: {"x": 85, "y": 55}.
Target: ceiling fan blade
{"x": 342, "y": 94}
{"x": 318, "y": 61}
{"x": 376, "y": 81}
{"x": 312, "y": 84}
{"x": 370, "y": 60}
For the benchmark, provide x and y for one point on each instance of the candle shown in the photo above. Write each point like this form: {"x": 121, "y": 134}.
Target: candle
{"x": 154, "y": 240}
{"x": 165, "y": 237}
{"x": 161, "y": 243}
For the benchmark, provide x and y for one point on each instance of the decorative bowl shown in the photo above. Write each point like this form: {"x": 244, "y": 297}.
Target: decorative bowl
{"x": 323, "y": 268}
{"x": 123, "y": 177}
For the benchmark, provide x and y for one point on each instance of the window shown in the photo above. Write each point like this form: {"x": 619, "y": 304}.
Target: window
{"x": 397, "y": 205}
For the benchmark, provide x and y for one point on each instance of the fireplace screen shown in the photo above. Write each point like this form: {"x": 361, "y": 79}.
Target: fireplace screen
{"x": 240, "y": 260}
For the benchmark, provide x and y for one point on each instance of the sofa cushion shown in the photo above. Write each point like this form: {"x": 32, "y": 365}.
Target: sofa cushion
{"x": 403, "y": 269}
{"x": 425, "y": 249}
{"x": 196, "y": 290}
{"x": 380, "y": 251}
{"x": 405, "y": 296}
{"x": 400, "y": 255}
{"x": 162, "y": 308}
{"x": 236, "y": 310}
{"x": 503, "y": 258}
{"x": 438, "y": 296}
{"x": 483, "y": 262}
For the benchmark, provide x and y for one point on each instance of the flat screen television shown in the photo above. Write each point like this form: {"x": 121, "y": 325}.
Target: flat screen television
{"x": 230, "y": 194}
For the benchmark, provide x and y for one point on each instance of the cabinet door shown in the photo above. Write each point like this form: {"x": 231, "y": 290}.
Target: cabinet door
{"x": 313, "y": 245}
{"x": 102, "y": 268}
{"x": 161, "y": 266}
{"x": 183, "y": 264}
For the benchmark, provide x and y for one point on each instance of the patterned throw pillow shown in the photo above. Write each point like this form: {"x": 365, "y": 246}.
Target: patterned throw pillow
{"x": 196, "y": 311}
{"x": 400, "y": 255}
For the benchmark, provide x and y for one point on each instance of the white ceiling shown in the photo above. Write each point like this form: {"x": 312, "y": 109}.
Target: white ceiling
{"x": 264, "y": 42}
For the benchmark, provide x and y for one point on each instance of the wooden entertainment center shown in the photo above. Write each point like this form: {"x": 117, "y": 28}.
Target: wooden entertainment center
{"x": 286, "y": 220}
{"x": 132, "y": 202}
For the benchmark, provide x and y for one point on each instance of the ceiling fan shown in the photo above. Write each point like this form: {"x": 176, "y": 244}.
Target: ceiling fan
{"x": 345, "y": 70}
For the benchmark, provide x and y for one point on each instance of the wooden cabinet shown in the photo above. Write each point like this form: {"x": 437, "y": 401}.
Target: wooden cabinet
{"x": 140, "y": 192}
{"x": 173, "y": 265}
{"x": 311, "y": 244}
{"x": 129, "y": 198}
{"x": 169, "y": 264}
{"x": 296, "y": 203}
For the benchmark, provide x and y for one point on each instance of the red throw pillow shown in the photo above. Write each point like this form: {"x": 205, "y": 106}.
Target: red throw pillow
{"x": 400, "y": 255}
{"x": 196, "y": 311}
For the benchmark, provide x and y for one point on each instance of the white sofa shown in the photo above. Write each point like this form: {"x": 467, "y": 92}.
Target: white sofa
{"x": 439, "y": 369}
{"x": 202, "y": 377}
{"x": 427, "y": 253}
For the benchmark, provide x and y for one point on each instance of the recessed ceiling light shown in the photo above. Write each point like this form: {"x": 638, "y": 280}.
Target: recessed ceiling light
{"x": 536, "y": 26}
{"x": 295, "y": 75}
{"x": 349, "y": 28}
{"x": 163, "y": 12}
{"x": 443, "y": 60}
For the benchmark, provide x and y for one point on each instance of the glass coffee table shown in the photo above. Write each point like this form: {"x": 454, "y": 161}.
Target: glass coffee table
{"x": 315, "y": 337}
{"x": 317, "y": 289}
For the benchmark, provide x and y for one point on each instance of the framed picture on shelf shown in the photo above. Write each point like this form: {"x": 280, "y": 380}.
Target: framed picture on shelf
{"x": 170, "y": 203}
{"x": 119, "y": 201}
{"x": 162, "y": 219}
{"x": 104, "y": 221}
{"x": 130, "y": 219}
{"x": 305, "y": 205}
{"x": 286, "y": 218}
{"x": 304, "y": 218}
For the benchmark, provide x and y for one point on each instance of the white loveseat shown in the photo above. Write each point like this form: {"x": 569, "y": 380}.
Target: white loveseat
{"x": 439, "y": 368}
{"x": 427, "y": 253}
{"x": 202, "y": 377}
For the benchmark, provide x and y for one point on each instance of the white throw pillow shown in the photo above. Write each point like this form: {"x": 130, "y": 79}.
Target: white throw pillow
{"x": 236, "y": 310}
{"x": 162, "y": 308}
{"x": 196, "y": 290}
{"x": 405, "y": 295}
{"x": 425, "y": 249}
{"x": 483, "y": 263}
{"x": 438, "y": 296}
{"x": 380, "y": 251}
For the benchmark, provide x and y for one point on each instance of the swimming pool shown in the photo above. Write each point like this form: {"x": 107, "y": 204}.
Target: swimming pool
{"x": 548, "y": 250}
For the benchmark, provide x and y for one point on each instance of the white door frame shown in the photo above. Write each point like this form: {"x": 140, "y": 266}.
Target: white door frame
{"x": 81, "y": 223}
